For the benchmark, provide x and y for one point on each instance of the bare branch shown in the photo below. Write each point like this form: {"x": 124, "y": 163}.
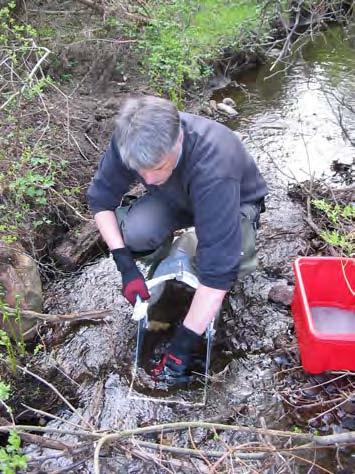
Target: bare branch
{"x": 81, "y": 316}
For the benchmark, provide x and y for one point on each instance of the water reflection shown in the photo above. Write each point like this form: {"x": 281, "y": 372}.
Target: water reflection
{"x": 303, "y": 118}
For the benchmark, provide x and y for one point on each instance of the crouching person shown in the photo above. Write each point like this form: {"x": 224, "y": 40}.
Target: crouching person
{"x": 196, "y": 173}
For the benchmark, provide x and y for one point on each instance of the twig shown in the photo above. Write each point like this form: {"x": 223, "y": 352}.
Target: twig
{"x": 209, "y": 465}
{"x": 186, "y": 425}
{"x": 286, "y": 45}
{"x": 91, "y": 142}
{"x": 56, "y": 391}
{"x": 30, "y": 76}
{"x": 197, "y": 452}
{"x": 45, "y": 442}
{"x": 50, "y": 415}
{"x": 45, "y": 429}
{"x": 81, "y": 316}
{"x": 346, "y": 279}
{"x": 70, "y": 468}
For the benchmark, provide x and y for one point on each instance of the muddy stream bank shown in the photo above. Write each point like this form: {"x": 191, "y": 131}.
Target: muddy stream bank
{"x": 290, "y": 123}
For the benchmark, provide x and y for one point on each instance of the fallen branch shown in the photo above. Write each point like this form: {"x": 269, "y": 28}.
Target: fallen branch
{"x": 314, "y": 441}
{"x": 67, "y": 203}
{"x": 36, "y": 439}
{"x": 44, "y": 429}
{"x": 56, "y": 391}
{"x": 197, "y": 453}
{"x": 250, "y": 453}
{"x": 183, "y": 426}
{"x": 81, "y": 316}
{"x": 287, "y": 44}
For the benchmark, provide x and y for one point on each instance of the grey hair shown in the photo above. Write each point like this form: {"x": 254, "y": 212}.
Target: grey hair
{"x": 147, "y": 128}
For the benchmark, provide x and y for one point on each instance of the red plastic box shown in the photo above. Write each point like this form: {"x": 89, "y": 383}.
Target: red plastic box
{"x": 323, "y": 281}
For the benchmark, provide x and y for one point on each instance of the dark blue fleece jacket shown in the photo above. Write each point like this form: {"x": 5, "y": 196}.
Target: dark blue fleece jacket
{"x": 214, "y": 176}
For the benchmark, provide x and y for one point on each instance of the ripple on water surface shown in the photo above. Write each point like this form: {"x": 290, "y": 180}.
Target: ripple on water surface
{"x": 301, "y": 120}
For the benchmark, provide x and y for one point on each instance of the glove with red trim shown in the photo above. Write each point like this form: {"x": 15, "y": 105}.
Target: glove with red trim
{"x": 133, "y": 283}
{"x": 174, "y": 366}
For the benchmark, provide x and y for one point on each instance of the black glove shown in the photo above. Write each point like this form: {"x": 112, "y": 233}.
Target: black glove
{"x": 133, "y": 282}
{"x": 175, "y": 363}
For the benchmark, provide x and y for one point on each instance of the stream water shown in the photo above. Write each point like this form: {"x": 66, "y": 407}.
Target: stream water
{"x": 296, "y": 124}
{"x": 303, "y": 115}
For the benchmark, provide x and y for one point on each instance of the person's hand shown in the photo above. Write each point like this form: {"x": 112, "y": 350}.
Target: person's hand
{"x": 174, "y": 365}
{"x": 133, "y": 283}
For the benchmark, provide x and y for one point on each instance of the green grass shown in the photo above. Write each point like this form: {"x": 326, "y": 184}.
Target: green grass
{"x": 185, "y": 34}
{"x": 223, "y": 19}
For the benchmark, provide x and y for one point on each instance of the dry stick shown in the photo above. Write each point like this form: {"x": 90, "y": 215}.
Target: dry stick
{"x": 44, "y": 429}
{"x": 56, "y": 391}
{"x": 307, "y": 461}
{"x": 346, "y": 279}
{"x": 344, "y": 374}
{"x": 328, "y": 440}
{"x": 49, "y": 415}
{"x": 230, "y": 451}
{"x": 286, "y": 45}
{"x": 78, "y": 147}
{"x": 100, "y": 9}
{"x": 45, "y": 442}
{"x": 35, "y": 439}
{"x": 9, "y": 411}
{"x": 30, "y": 76}
{"x": 261, "y": 451}
{"x": 314, "y": 404}
{"x": 81, "y": 316}
{"x": 185, "y": 425}
{"x": 332, "y": 408}
{"x": 91, "y": 142}
{"x": 70, "y": 468}
{"x": 74, "y": 451}
{"x": 142, "y": 454}
{"x": 69, "y": 205}
{"x": 209, "y": 465}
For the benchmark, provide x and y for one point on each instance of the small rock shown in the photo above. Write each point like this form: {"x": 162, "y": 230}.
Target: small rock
{"x": 213, "y": 105}
{"x": 229, "y": 101}
{"x": 281, "y": 294}
{"x": 274, "y": 53}
{"x": 19, "y": 281}
{"x": 348, "y": 422}
{"x": 226, "y": 109}
{"x": 207, "y": 110}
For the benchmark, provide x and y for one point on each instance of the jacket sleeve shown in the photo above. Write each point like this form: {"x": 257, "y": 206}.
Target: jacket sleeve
{"x": 110, "y": 183}
{"x": 217, "y": 221}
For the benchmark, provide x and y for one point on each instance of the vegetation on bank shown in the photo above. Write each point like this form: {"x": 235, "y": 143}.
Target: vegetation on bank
{"x": 174, "y": 44}
{"x": 183, "y": 37}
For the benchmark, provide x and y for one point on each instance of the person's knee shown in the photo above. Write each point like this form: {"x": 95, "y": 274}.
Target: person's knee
{"x": 248, "y": 262}
{"x": 141, "y": 233}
